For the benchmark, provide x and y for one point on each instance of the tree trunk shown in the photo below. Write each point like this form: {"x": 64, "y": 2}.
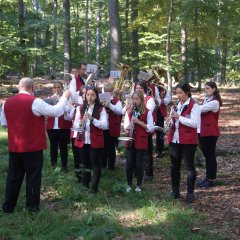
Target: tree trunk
{"x": 86, "y": 31}
{"x": 168, "y": 47}
{"x": 98, "y": 31}
{"x": 224, "y": 52}
{"x": 23, "y": 56}
{"x": 113, "y": 11}
{"x": 135, "y": 43}
{"x": 66, "y": 35}
{"x": 127, "y": 35}
{"x": 36, "y": 11}
{"x": 184, "y": 52}
{"x": 196, "y": 47}
{"x": 55, "y": 33}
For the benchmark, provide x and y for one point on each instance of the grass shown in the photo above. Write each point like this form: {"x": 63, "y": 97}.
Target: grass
{"x": 70, "y": 212}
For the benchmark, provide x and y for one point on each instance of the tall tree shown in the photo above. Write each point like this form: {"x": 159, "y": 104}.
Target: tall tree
{"x": 134, "y": 38}
{"x": 23, "y": 56}
{"x": 113, "y": 11}
{"x": 86, "y": 25}
{"x": 55, "y": 34}
{"x": 66, "y": 35}
{"x": 168, "y": 47}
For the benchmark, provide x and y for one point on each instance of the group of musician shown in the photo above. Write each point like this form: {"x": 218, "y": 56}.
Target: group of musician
{"x": 93, "y": 128}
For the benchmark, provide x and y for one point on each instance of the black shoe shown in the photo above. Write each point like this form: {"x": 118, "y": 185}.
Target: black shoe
{"x": 148, "y": 178}
{"x": 205, "y": 183}
{"x": 4, "y": 210}
{"x": 33, "y": 209}
{"x": 190, "y": 198}
{"x": 175, "y": 195}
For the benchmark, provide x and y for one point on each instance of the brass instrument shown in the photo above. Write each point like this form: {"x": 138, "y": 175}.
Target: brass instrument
{"x": 130, "y": 139}
{"x": 123, "y": 85}
{"x": 91, "y": 76}
{"x": 158, "y": 73}
{"x": 168, "y": 123}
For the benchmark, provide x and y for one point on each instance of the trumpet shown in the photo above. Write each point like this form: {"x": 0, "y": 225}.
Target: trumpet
{"x": 168, "y": 125}
{"x": 82, "y": 124}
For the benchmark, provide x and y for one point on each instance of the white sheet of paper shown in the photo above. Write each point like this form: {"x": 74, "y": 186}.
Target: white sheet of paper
{"x": 104, "y": 97}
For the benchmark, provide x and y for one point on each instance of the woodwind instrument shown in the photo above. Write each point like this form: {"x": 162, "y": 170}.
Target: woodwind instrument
{"x": 135, "y": 114}
{"x": 82, "y": 124}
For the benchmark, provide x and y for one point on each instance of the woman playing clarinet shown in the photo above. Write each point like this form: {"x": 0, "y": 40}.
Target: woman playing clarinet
{"x": 210, "y": 132}
{"x": 90, "y": 140}
{"x": 183, "y": 140}
{"x": 138, "y": 122}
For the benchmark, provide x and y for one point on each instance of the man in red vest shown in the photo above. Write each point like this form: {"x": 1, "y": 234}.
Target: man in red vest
{"x": 80, "y": 78}
{"x": 23, "y": 114}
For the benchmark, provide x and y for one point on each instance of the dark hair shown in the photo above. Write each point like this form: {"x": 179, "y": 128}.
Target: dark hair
{"x": 185, "y": 87}
{"x": 212, "y": 84}
{"x": 143, "y": 85}
{"x": 80, "y": 65}
{"x": 97, "y": 104}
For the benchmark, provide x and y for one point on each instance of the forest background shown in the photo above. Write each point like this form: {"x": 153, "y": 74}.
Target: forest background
{"x": 193, "y": 39}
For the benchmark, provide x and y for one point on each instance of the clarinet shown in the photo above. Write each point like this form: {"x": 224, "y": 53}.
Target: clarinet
{"x": 82, "y": 124}
{"x": 136, "y": 114}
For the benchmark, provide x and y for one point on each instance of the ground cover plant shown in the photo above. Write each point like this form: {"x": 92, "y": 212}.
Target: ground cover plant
{"x": 68, "y": 211}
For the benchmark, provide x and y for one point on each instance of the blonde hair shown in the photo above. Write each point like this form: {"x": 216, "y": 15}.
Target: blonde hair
{"x": 142, "y": 107}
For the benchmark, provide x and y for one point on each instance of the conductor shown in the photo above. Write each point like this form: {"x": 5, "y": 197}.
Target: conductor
{"x": 23, "y": 115}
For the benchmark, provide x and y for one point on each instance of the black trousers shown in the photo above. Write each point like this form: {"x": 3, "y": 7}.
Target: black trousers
{"x": 21, "y": 164}
{"x": 109, "y": 153}
{"x": 76, "y": 158}
{"x": 159, "y": 134}
{"x": 91, "y": 159}
{"x": 186, "y": 152}
{"x": 134, "y": 164}
{"x": 208, "y": 147}
{"x": 59, "y": 138}
{"x": 148, "y": 157}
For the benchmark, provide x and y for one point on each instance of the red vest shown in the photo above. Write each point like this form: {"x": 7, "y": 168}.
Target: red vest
{"x": 152, "y": 86}
{"x": 163, "y": 107}
{"x": 114, "y": 121}
{"x": 209, "y": 123}
{"x": 187, "y": 135}
{"x": 62, "y": 123}
{"x": 79, "y": 82}
{"x": 154, "y": 112}
{"x": 140, "y": 135}
{"x": 26, "y": 132}
{"x": 96, "y": 135}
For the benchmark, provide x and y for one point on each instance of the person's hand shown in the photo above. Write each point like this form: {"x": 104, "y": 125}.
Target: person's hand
{"x": 67, "y": 94}
{"x": 175, "y": 115}
{"x": 88, "y": 116}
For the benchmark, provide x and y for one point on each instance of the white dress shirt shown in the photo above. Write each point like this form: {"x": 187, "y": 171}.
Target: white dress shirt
{"x": 73, "y": 85}
{"x": 150, "y": 125}
{"x": 41, "y": 108}
{"x": 210, "y": 105}
{"x": 102, "y": 123}
{"x": 151, "y": 105}
{"x": 193, "y": 120}
{"x": 117, "y": 108}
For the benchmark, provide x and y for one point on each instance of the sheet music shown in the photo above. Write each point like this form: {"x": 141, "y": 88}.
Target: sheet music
{"x": 104, "y": 97}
